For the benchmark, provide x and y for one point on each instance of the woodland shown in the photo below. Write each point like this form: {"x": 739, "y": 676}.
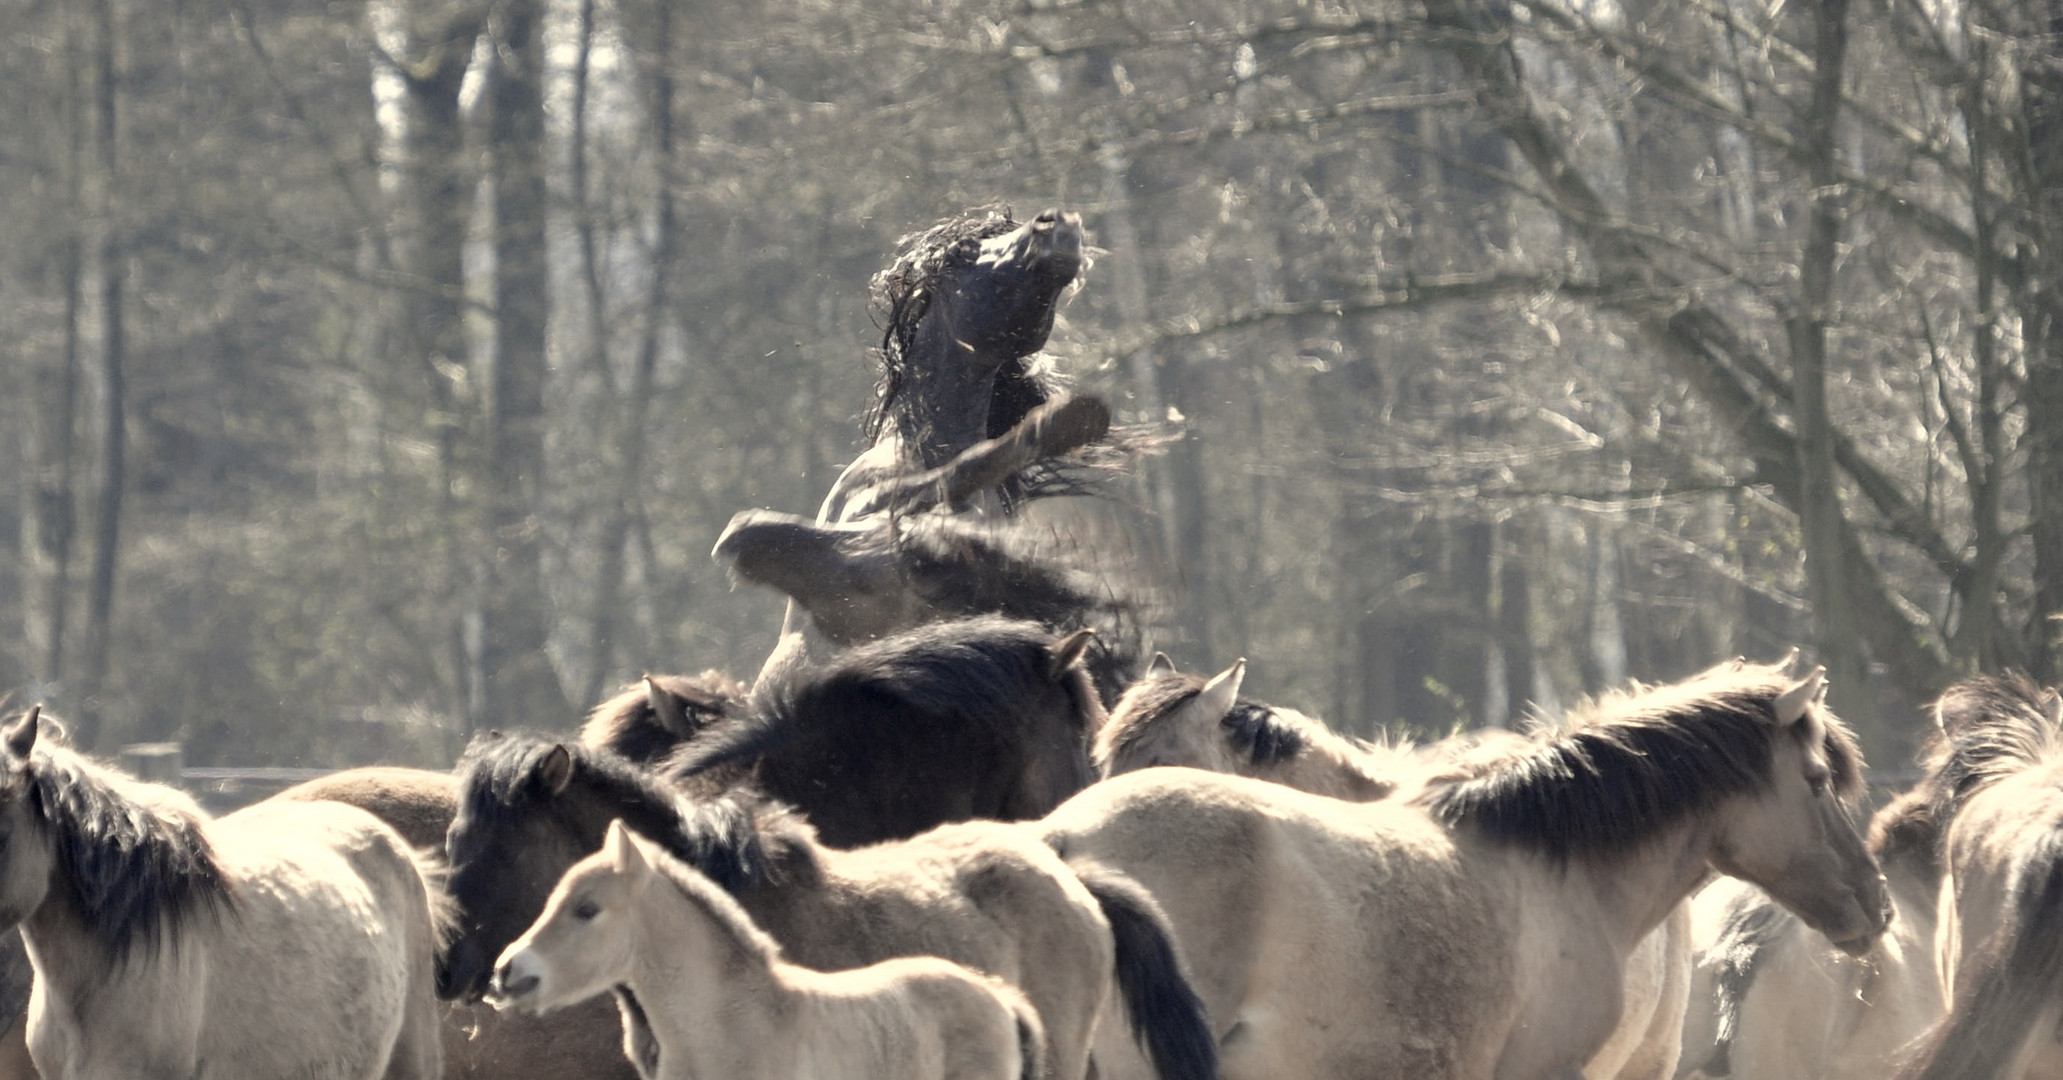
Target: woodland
{"x": 384, "y": 370}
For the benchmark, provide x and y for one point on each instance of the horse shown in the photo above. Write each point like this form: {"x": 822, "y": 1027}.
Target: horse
{"x": 1170, "y": 718}
{"x": 1776, "y": 1000}
{"x": 980, "y": 718}
{"x": 1479, "y": 926}
{"x": 980, "y": 893}
{"x": 283, "y": 940}
{"x": 965, "y": 424}
{"x": 577, "y": 1043}
{"x": 704, "y": 992}
{"x": 1997, "y": 780}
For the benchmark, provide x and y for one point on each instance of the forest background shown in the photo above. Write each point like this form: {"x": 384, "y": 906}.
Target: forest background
{"x": 383, "y": 370}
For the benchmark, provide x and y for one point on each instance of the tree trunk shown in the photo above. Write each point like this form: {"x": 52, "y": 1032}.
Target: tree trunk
{"x": 634, "y": 411}
{"x": 1819, "y": 504}
{"x": 2042, "y": 95}
{"x": 439, "y": 201}
{"x": 50, "y": 520}
{"x": 517, "y": 675}
{"x": 107, "y": 521}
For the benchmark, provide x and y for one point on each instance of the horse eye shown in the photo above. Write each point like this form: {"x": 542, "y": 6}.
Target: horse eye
{"x": 586, "y": 910}
{"x": 1819, "y": 784}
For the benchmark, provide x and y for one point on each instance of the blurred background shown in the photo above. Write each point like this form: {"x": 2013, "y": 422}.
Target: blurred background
{"x": 381, "y": 371}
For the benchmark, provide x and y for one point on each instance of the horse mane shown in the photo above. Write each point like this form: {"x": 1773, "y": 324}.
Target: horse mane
{"x": 901, "y": 295}
{"x": 136, "y": 856}
{"x": 1906, "y": 831}
{"x": 1635, "y": 761}
{"x": 1986, "y": 729}
{"x": 973, "y": 669}
{"x": 711, "y": 895}
{"x": 737, "y": 838}
{"x": 625, "y": 725}
{"x": 1020, "y": 576}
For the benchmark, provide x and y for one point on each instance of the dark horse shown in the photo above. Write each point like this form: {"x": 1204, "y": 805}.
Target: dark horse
{"x": 963, "y": 421}
{"x": 978, "y": 718}
{"x": 981, "y": 893}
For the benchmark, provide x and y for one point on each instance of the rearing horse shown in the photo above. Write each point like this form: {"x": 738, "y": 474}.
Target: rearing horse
{"x": 962, "y": 428}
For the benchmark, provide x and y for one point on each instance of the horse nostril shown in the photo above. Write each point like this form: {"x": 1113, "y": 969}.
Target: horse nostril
{"x": 517, "y": 988}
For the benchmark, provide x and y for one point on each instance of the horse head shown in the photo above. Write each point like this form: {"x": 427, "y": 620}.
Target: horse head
{"x": 1796, "y": 837}
{"x": 582, "y": 942}
{"x": 26, "y": 855}
{"x": 512, "y": 837}
{"x": 964, "y": 304}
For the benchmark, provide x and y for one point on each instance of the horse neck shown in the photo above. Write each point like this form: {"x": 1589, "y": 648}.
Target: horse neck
{"x": 70, "y": 959}
{"x": 715, "y": 999}
{"x": 944, "y": 407}
{"x": 1635, "y": 888}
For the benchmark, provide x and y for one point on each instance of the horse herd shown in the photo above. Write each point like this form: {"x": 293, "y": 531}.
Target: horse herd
{"x": 956, "y": 829}
{"x": 1230, "y": 889}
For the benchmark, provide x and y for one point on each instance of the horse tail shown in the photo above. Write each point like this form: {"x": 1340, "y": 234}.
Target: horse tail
{"x": 1168, "y": 1018}
{"x": 2007, "y": 986}
{"x": 1752, "y": 928}
{"x": 445, "y": 918}
{"x": 1031, "y": 1039}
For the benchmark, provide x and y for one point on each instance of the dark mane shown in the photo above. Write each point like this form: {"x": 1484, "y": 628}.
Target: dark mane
{"x": 625, "y": 725}
{"x": 901, "y": 294}
{"x": 1986, "y": 729}
{"x": 136, "y": 871}
{"x": 1003, "y": 568}
{"x": 1638, "y": 762}
{"x": 974, "y": 671}
{"x": 1259, "y": 732}
{"x": 736, "y": 839}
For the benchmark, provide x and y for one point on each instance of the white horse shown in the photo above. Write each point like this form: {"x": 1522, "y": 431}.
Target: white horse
{"x": 1480, "y": 928}
{"x": 705, "y": 993}
{"x": 293, "y": 940}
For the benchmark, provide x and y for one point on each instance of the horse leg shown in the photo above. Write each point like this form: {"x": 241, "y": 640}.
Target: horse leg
{"x": 418, "y": 1052}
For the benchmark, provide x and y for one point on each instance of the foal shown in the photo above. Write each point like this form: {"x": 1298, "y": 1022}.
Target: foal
{"x": 719, "y": 1000}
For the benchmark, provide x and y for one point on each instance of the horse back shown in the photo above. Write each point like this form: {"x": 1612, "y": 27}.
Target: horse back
{"x": 1299, "y": 913}
{"x": 417, "y": 803}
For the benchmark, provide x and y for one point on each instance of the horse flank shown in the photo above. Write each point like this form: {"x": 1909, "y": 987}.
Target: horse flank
{"x": 1638, "y": 761}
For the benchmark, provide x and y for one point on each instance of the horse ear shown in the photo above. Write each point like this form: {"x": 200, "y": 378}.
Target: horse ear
{"x": 1789, "y": 659}
{"x": 2052, "y": 707}
{"x": 556, "y": 770}
{"x": 1221, "y": 693}
{"x": 622, "y": 849}
{"x": 1161, "y": 665}
{"x": 21, "y": 738}
{"x": 667, "y": 709}
{"x": 1792, "y": 703}
{"x": 1068, "y": 650}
